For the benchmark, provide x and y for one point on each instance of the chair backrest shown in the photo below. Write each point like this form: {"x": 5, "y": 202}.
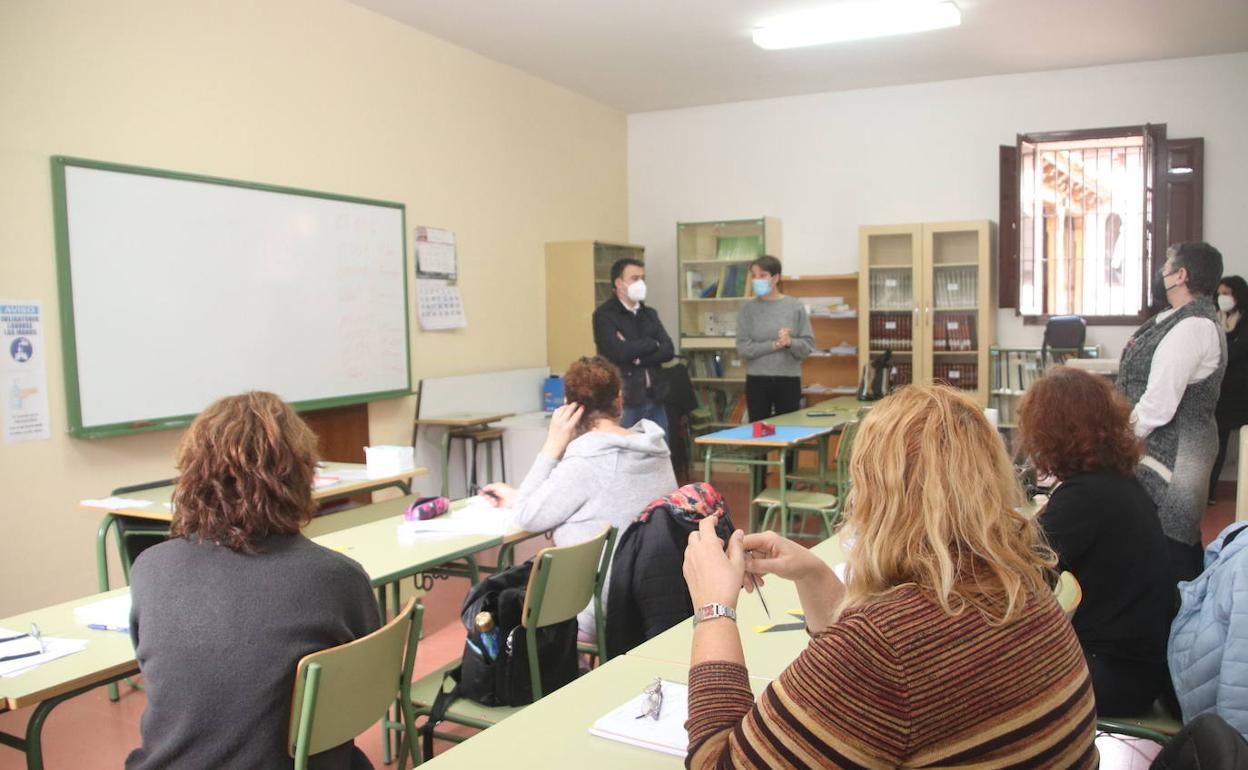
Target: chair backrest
{"x": 1068, "y": 592}
{"x": 1065, "y": 333}
{"x": 340, "y": 692}
{"x": 565, "y": 579}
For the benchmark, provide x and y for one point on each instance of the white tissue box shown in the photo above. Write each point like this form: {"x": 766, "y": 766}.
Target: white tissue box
{"x": 389, "y": 460}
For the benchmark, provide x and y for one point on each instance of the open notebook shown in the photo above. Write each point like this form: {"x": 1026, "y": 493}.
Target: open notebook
{"x": 666, "y": 734}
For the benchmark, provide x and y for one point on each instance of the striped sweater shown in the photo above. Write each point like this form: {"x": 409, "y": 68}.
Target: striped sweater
{"x": 899, "y": 683}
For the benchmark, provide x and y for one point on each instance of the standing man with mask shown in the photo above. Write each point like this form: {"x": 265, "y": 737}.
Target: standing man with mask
{"x": 1171, "y": 370}
{"x": 630, "y": 335}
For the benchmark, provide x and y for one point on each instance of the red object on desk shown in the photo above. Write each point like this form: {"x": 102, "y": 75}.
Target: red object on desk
{"x": 763, "y": 429}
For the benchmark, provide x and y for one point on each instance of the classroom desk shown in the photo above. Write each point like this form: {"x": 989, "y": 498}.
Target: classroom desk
{"x": 785, "y": 439}
{"x": 159, "y": 496}
{"x": 452, "y": 422}
{"x": 561, "y": 723}
{"x": 108, "y": 657}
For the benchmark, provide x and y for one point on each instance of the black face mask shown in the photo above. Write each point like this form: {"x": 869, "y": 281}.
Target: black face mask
{"x": 1159, "y": 287}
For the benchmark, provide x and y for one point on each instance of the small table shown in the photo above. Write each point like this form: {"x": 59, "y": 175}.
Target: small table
{"x": 453, "y": 422}
{"x": 786, "y": 438}
{"x": 356, "y": 482}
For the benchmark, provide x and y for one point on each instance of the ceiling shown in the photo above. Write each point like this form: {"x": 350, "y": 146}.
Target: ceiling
{"x": 642, "y": 55}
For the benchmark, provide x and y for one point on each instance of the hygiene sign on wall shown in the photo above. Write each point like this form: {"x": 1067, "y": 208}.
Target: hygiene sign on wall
{"x": 23, "y": 371}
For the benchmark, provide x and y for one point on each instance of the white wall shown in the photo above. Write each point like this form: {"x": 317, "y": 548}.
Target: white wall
{"x": 827, "y": 163}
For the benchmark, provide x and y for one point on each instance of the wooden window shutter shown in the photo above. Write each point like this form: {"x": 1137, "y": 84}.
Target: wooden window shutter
{"x": 1007, "y": 230}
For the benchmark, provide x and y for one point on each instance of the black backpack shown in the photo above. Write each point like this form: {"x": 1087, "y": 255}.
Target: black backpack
{"x": 504, "y": 681}
{"x": 877, "y": 378}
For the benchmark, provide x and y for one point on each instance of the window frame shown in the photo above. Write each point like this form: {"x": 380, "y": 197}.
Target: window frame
{"x": 1155, "y": 218}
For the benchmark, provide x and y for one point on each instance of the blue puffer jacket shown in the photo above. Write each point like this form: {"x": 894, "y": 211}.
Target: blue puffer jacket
{"x": 1208, "y": 648}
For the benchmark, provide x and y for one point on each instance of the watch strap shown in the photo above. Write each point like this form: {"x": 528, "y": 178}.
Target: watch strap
{"x": 712, "y": 611}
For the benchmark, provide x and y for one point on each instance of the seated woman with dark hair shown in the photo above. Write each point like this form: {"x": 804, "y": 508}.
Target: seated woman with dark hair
{"x": 944, "y": 647}
{"x": 224, "y": 610}
{"x": 1104, "y": 527}
{"x": 591, "y": 473}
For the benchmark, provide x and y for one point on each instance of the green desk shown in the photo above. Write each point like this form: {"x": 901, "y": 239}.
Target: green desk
{"x": 561, "y": 723}
{"x": 108, "y": 657}
{"x": 159, "y": 496}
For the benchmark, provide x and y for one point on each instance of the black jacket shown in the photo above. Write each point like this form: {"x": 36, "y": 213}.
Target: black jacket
{"x": 647, "y": 594}
{"x": 1233, "y": 403}
{"x": 644, "y": 346}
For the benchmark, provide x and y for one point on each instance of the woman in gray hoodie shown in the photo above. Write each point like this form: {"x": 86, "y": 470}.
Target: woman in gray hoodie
{"x": 591, "y": 473}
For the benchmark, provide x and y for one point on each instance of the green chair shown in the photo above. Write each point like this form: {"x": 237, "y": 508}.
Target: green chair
{"x": 563, "y": 581}
{"x": 802, "y": 503}
{"x": 340, "y": 692}
{"x": 1157, "y": 725}
{"x": 1068, "y": 592}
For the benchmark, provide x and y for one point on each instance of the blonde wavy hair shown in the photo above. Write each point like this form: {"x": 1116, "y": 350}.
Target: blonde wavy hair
{"x": 934, "y": 503}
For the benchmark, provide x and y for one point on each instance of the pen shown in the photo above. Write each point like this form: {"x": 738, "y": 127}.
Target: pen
{"x": 758, "y": 590}
{"x": 102, "y": 627}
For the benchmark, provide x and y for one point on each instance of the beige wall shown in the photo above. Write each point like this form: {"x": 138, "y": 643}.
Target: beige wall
{"x": 315, "y": 94}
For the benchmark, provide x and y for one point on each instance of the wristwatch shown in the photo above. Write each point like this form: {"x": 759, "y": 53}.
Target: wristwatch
{"x": 712, "y": 611}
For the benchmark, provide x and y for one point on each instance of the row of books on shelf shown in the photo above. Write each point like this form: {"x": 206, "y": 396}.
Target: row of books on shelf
{"x": 954, "y": 331}
{"x": 1013, "y": 371}
{"x": 963, "y": 376}
{"x": 729, "y": 281}
{"x": 819, "y": 389}
{"x": 891, "y": 289}
{"x": 714, "y": 363}
{"x": 891, "y": 331}
{"x": 828, "y": 307}
{"x": 723, "y": 406}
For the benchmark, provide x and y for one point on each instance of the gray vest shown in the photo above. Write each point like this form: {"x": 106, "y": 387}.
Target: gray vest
{"x": 1179, "y": 455}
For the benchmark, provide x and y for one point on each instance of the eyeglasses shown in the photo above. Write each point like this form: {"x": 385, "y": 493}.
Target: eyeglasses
{"x": 653, "y": 701}
{"x": 34, "y": 634}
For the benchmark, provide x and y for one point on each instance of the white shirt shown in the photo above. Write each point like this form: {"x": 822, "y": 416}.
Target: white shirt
{"x": 1189, "y": 353}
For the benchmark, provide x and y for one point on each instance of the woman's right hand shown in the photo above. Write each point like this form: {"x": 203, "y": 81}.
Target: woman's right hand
{"x": 563, "y": 424}
{"x": 769, "y": 554}
{"x": 499, "y": 495}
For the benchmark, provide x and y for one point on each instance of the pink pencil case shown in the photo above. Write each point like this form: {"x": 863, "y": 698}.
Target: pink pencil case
{"x": 426, "y": 508}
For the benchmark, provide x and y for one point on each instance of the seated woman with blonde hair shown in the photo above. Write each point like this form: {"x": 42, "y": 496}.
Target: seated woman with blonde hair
{"x": 944, "y": 647}
{"x": 222, "y": 612}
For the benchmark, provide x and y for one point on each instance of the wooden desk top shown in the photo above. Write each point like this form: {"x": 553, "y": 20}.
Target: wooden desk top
{"x": 463, "y": 419}
{"x": 159, "y": 496}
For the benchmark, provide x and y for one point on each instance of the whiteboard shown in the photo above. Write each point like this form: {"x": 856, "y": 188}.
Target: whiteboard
{"x": 178, "y": 290}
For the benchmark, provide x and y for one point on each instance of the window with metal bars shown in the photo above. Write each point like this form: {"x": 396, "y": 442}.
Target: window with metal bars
{"x": 1085, "y": 217}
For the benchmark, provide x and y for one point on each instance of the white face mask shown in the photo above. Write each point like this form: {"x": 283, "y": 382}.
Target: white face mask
{"x": 1226, "y": 302}
{"x": 637, "y": 291}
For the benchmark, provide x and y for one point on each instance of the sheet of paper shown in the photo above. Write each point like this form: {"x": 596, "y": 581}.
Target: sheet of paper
{"x": 116, "y": 502}
{"x": 440, "y": 305}
{"x": 478, "y": 517}
{"x": 666, "y": 734}
{"x": 23, "y": 373}
{"x": 113, "y": 613}
{"x": 55, "y": 648}
{"x": 435, "y": 258}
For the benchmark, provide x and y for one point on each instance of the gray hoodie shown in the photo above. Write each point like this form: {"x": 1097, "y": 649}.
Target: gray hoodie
{"x": 603, "y": 478}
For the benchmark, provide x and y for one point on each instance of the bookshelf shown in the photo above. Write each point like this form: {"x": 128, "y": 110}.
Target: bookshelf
{"x": 832, "y": 302}
{"x": 929, "y": 297}
{"x": 578, "y": 280}
{"x": 1011, "y": 371}
{"x": 713, "y": 260}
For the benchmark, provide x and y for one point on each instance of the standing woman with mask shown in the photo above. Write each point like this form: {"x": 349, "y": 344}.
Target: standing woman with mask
{"x": 773, "y": 336}
{"x": 1171, "y": 371}
{"x": 1232, "y": 410}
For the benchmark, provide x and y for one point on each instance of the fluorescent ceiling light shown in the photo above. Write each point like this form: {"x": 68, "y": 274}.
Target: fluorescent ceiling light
{"x": 855, "y": 21}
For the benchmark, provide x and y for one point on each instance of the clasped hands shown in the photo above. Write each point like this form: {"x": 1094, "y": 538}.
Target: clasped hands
{"x": 716, "y": 575}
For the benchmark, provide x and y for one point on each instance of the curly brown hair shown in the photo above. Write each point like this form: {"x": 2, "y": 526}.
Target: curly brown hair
{"x": 1072, "y": 422}
{"x": 246, "y": 466}
{"x": 594, "y": 383}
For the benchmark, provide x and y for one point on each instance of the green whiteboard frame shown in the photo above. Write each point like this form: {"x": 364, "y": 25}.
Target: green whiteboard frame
{"x": 65, "y": 294}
